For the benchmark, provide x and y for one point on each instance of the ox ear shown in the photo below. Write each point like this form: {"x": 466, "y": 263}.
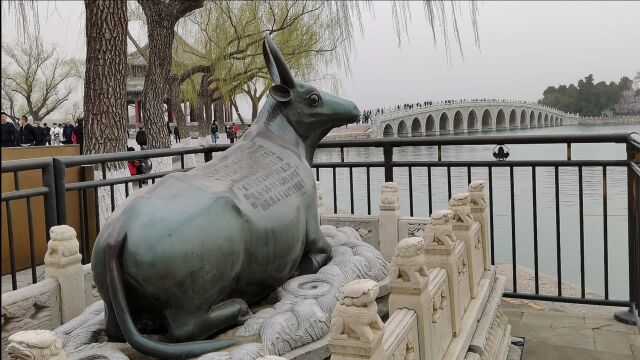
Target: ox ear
{"x": 280, "y": 93}
{"x": 278, "y": 68}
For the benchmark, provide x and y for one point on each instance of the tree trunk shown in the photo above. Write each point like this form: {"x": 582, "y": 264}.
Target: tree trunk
{"x": 181, "y": 120}
{"x": 105, "y": 91}
{"x": 155, "y": 84}
{"x": 218, "y": 114}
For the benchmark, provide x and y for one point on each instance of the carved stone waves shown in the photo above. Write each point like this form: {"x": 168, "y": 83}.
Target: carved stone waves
{"x": 35, "y": 345}
{"x": 301, "y": 314}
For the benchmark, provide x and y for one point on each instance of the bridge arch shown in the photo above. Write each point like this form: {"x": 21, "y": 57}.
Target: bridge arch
{"x": 402, "y": 129}
{"x": 472, "y": 121}
{"x": 557, "y": 121}
{"x": 539, "y": 119}
{"x": 487, "y": 120}
{"x": 513, "y": 119}
{"x": 546, "y": 120}
{"x": 388, "y": 131}
{"x": 561, "y": 121}
{"x": 443, "y": 124}
{"x": 458, "y": 122}
{"x": 501, "y": 120}
{"x": 430, "y": 125}
{"x": 532, "y": 119}
{"x": 416, "y": 127}
{"x": 523, "y": 119}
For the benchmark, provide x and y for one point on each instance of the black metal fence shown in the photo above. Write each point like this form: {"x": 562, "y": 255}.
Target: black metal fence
{"x": 55, "y": 186}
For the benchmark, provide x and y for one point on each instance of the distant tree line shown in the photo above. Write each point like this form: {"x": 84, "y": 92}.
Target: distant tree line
{"x": 587, "y": 98}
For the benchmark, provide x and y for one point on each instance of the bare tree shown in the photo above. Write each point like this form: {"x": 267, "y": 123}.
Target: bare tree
{"x": 37, "y": 79}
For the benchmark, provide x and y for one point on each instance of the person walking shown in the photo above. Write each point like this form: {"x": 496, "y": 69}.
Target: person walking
{"x": 9, "y": 136}
{"x": 234, "y": 126}
{"x": 26, "y": 133}
{"x": 41, "y": 137}
{"x": 214, "y": 132}
{"x": 176, "y": 134}
{"x": 169, "y": 130}
{"x": 56, "y": 135}
{"x": 78, "y": 133}
{"x": 141, "y": 137}
{"x": 67, "y": 133}
{"x": 47, "y": 133}
{"x": 231, "y": 135}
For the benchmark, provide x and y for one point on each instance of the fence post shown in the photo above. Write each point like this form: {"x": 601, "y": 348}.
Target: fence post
{"x": 633, "y": 219}
{"x": 388, "y": 219}
{"x": 387, "y": 152}
{"x": 63, "y": 262}
{"x": 59, "y": 174}
{"x": 50, "y": 211}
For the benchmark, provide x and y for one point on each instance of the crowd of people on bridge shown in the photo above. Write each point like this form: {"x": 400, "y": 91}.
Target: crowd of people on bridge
{"x": 27, "y": 134}
{"x": 368, "y": 115}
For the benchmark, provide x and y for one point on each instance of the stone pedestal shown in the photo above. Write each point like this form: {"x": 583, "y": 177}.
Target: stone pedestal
{"x": 479, "y": 214}
{"x": 388, "y": 219}
{"x": 426, "y": 294}
{"x": 472, "y": 237}
{"x": 63, "y": 262}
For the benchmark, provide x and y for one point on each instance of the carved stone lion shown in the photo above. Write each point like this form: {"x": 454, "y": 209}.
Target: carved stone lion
{"x": 439, "y": 228}
{"x": 409, "y": 262}
{"x": 460, "y": 204}
{"x": 476, "y": 192}
{"x": 63, "y": 242}
{"x": 356, "y": 315}
{"x": 35, "y": 345}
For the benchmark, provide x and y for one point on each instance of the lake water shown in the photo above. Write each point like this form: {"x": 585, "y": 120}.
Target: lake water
{"x": 546, "y": 206}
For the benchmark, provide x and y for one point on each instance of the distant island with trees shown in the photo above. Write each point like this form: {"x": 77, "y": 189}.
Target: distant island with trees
{"x": 588, "y": 98}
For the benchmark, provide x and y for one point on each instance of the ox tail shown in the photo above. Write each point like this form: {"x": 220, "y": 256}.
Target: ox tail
{"x": 138, "y": 341}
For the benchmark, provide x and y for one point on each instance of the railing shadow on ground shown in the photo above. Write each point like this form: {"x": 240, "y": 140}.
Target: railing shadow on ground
{"x": 54, "y": 187}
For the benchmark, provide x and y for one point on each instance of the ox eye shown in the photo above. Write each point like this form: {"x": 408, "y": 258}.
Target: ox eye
{"x": 315, "y": 99}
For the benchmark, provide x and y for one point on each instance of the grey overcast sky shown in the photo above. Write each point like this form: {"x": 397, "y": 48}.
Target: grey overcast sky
{"x": 525, "y": 46}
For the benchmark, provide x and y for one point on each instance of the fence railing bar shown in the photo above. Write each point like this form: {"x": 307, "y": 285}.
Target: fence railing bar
{"x": 12, "y": 250}
{"x": 581, "y": 215}
{"x": 558, "y": 249}
{"x": 513, "y": 232}
{"x": 535, "y": 230}
{"x": 605, "y": 231}
{"x": 493, "y": 254}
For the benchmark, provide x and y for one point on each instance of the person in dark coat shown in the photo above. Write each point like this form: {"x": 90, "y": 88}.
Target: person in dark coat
{"x": 141, "y": 137}
{"x": 26, "y": 133}
{"x": 9, "y": 135}
{"x": 41, "y": 137}
{"x": 67, "y": 133}
{"x": 78, "y": 131}
{"x": 176, "y": 134}
{"x": 47, "y": 133}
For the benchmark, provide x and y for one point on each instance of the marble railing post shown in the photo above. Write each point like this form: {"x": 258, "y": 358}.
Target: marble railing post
{"x": 479, "y": 213}
{"x": 445, "y": 251}
{"x": 63, "y": 262}
{"x": 388, "y": 219}
{"x": 356, "y": 328}
{"x": 468, "y": 230}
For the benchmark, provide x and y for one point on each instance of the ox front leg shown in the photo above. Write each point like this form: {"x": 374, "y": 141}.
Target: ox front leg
{"x": 317, "y": 249}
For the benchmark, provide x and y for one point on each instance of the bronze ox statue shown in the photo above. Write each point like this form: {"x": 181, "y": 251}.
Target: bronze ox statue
{"x": 184, "y": 257}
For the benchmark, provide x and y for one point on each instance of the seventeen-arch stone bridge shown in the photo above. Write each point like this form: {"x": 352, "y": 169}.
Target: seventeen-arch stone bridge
{"x": 468, "y": 116}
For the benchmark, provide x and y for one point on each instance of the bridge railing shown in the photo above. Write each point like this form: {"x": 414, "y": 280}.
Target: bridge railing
{"x": 499, "y": 176}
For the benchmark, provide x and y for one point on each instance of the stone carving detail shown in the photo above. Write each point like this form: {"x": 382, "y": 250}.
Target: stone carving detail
{"x": 409, "y": 263}
{"x": 390, "y": 197}
{"x": 416, "y": 229}
{"x": 302, "y": 314}
{"x": 35, "y": 307}
{"x": 439, "y": 229}
{"x": 320, "y": 198}
{"x": 440, "y": 303}
{"x": 460, "y": 204}
{"x": 462, "y": 267}
{"x": 356, "y": 315}
{"x": 35, "y": 345}
{"x": 363, "y": 228}
{"x": 476, "y": 193}
{"x": 63, "y": 244}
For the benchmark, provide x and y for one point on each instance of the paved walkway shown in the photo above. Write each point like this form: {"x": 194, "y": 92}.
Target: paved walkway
{"x": 553, "y": 331}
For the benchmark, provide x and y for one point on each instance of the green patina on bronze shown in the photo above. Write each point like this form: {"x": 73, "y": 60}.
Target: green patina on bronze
{"x": 184, "y": 257}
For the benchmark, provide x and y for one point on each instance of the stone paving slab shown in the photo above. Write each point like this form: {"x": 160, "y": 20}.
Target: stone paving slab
{"x": 556, "y": 332}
